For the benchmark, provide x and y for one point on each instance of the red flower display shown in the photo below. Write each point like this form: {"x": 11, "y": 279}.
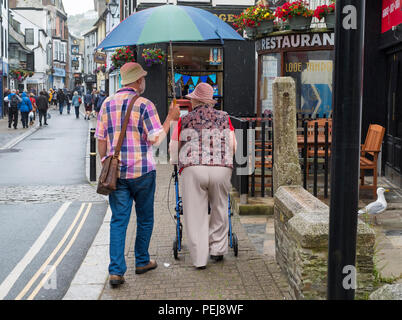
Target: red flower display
{"x": 322, "y": 11}
{"x": 292, "y": 9}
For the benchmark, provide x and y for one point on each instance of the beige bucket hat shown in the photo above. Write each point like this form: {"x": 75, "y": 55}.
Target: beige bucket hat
{"x": 131, "y": 72}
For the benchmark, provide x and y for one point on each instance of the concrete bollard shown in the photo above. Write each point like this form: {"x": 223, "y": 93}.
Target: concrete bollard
{"x": 286, "y": 171}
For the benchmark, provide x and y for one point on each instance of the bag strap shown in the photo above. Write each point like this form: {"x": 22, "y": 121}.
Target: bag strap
{"x": 124, "y": 127}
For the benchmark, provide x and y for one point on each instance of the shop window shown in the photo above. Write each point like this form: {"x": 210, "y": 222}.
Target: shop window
{"x": 196, "y": 64}
{"x": 312, "y": 72}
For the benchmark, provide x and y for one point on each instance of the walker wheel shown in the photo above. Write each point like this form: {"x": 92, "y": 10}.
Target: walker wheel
{"x": 175, "y": 249}
{"x": 235, "y": 244}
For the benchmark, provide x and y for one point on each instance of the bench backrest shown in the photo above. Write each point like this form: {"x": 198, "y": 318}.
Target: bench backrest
{"x": 321, "y": 126}
{"x": 375, "y": 135}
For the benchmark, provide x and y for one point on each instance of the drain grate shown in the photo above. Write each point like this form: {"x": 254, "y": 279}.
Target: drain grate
{"x": 40, "y": 139}
{"x": 394, "y": 233}
{"x": 9, "y": 150}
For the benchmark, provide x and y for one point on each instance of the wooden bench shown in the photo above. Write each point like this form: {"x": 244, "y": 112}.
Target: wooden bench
{"x": 369, "y": 155}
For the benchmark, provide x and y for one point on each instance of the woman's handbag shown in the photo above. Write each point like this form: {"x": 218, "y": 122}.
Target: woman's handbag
{"x": 109, "y": 173}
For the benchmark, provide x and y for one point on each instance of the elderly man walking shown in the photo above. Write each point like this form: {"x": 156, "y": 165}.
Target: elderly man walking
{"x": 137, "y": 167}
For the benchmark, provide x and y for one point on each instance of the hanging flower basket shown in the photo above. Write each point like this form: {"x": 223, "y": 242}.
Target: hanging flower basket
{"x": 297, "y": 14}
{"x": 122, "y": 56}
{"x": 256, "y": 19}
{"x": 330, "y": 20}
{"x": 266, "y": 27}
{"x": 153, "y": 56}
{"x": 299, "y": 23}
{"x": 327, "y": 12}
{"x": 20, "y": 74}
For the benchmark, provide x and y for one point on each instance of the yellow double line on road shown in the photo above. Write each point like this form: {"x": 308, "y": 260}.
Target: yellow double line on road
{"x": 54, "y": 253}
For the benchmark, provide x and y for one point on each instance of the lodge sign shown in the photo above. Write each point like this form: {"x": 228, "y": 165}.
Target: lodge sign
{"x": 289, "y": 41}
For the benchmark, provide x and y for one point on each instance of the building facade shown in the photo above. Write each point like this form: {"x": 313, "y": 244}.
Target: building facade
{"x": 38, "y": 41}
{"x": 90, "y": 44}
{"x": 4, "y": 53}
{"x": 210, "y": 61}
{"x": 51, "y": 18}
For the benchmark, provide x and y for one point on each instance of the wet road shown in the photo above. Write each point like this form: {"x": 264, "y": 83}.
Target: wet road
{"x": 49, "y": 213}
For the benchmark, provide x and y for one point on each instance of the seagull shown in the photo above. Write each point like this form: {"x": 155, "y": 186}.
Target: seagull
{"x": 376, "y": 207}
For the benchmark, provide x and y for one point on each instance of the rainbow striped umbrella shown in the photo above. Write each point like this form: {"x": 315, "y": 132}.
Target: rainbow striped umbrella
{"x": 168, "y": 23}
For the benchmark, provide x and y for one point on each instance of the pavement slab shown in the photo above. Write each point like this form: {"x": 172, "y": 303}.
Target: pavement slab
{"x": 250, "y": 276}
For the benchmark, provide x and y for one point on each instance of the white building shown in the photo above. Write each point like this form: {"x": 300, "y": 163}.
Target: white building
{"x": 112, "y": 20}
{"x": 38, "y": 40}
{"x": 90, "y": 43}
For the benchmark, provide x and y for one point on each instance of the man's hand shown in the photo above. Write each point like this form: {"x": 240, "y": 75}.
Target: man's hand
{"x": 174, "y": 112}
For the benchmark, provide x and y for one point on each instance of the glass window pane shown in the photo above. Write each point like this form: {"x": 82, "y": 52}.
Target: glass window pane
{"x": 270, "y": 69}
{"x": 196, "y": 64}
{"x": 312, "y": 72}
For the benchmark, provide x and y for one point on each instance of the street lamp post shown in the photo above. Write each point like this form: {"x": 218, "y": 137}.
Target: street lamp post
{"x": 348, "y": 78}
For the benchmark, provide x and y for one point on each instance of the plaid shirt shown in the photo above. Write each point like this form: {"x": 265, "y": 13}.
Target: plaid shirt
{"x": 136, "y": 157}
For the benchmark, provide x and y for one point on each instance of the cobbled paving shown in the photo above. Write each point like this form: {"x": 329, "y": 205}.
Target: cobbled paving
{"x": 250, "y": 276}
{"x": 47, "y": 194}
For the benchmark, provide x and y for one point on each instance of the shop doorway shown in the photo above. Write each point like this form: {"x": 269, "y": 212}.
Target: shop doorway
{"x": 393, "y": 154}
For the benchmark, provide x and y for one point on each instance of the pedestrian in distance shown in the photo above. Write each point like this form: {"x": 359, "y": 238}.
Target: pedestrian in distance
{"x": 88, "y": 105}
{"x": 25, "y": 107}
{"x": 137, "y": 175}
{"x": 61, "y": 99}
{"x": 206, "y": 170}
{"x": 5, "y": 109}
{"x": 32, "y": 114}
{"x": 43, "y": 105}
{"x": 95, "y": 97}
{"x": 54, "y": 98}
{"x": 76, "y": 101}
{"x": 68, "y": 97}
{"x": 14, "y": 100}
{"x": 99, "y": 101}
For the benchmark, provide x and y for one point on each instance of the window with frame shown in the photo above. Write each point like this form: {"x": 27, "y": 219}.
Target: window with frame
{"x": 313, "y": 74}
{"x": 196, "y": 64}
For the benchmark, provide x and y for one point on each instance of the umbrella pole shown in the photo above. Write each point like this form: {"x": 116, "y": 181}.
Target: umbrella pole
{"x": 172, "y": 66}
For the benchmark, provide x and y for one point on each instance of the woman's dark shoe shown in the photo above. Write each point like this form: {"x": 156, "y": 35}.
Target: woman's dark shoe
{"x": 201, "y": 268}
{"x": 116, "y": 280}
{"x": 217, "y": 258}
{"x": 151, "y": 265}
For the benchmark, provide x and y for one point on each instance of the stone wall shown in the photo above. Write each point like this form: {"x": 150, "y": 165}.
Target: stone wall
{"x": 301, "y": 245}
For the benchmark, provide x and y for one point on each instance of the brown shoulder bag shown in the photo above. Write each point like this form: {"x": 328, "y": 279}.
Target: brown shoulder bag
{"x": 111, "y": 165}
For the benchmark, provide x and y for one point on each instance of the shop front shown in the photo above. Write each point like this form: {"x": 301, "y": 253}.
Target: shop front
{"x": 306, "y": 57}
{"x": 59, "y": 77}
{"x": 228, "y": 66}
{"x": 390, "y": 56}
{"x": 90, "y": 82}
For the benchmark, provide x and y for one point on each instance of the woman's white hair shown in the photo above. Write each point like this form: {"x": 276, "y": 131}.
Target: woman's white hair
{"x": 75, "y": 93}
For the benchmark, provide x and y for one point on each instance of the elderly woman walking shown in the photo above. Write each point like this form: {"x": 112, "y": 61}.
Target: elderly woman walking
{"x": 203, "y": 145}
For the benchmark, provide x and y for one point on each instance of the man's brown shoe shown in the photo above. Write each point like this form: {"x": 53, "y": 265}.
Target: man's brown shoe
{"x": 151, "y": 265}
{"x": 116, "y": 280}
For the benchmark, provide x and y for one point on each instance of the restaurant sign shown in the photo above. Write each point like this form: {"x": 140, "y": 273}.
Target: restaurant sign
{"x": 294, "y": 41}
{"x": 391, "y": 14}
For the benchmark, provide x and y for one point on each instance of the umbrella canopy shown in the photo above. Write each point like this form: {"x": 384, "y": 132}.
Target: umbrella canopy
{"x": 168, "y": 23}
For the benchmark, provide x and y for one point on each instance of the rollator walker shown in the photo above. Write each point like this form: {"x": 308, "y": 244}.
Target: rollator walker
{"x": 177, "y": 243}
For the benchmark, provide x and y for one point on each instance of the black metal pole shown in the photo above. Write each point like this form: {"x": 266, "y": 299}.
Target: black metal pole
{"x": 348, "y": 76}
{"x": 92, "y": 156}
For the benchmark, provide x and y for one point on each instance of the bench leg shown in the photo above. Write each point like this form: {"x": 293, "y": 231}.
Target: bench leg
{"x": 375, "y": 183}
{"x": 362, "y": 177}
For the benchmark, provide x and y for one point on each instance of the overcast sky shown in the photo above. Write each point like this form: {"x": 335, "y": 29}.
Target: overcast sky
{"x": 78, "y": 6}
